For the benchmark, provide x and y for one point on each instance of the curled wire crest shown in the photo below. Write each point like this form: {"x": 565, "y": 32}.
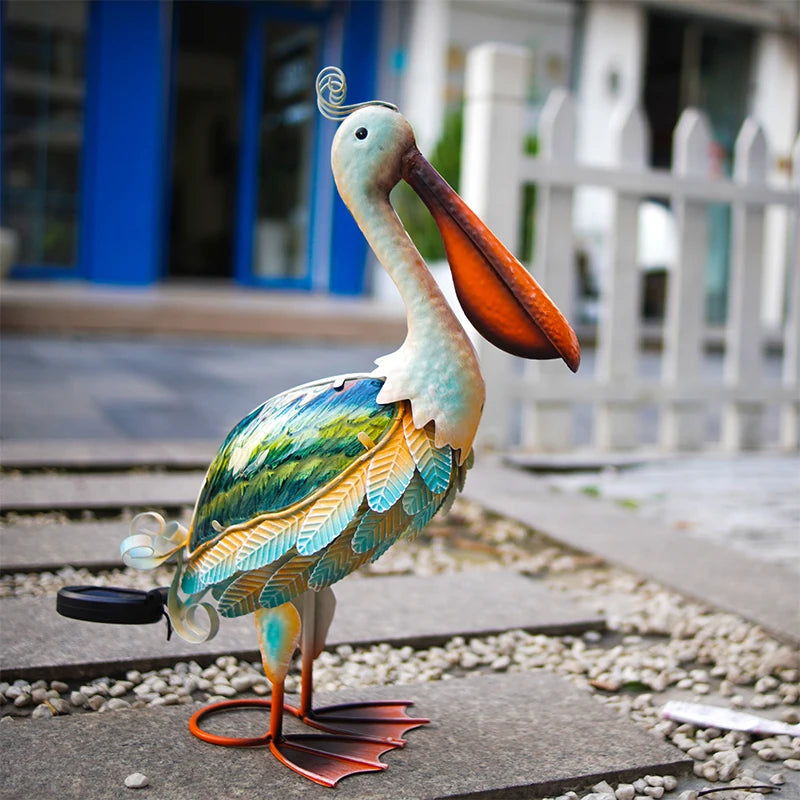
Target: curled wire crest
{"x": 331, "y": 80}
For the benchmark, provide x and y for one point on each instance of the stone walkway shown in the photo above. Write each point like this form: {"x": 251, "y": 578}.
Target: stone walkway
{"x": 501, "y": 736}
{"x": 698, "y": 567}
{"x": 512, "y": 717}
{"x": 401, "y": 610}
{"x": 84, "y": 424}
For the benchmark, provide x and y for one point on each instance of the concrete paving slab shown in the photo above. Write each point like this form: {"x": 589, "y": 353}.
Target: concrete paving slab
{"x": 97, "y": 492}
{"x": 28, "y": 548}
{"x": 99, "y": 455}
{"x": 422, "y": 611}
{"x": 723, "y": 578}
{"x": 60, "y": 388}
{"x": 520, "y": 735}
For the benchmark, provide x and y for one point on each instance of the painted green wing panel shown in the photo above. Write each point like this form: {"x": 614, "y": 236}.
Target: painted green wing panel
{"x": 287, "y": 449}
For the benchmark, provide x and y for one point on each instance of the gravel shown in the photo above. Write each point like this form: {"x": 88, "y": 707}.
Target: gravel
{"x": 659, "y": 646}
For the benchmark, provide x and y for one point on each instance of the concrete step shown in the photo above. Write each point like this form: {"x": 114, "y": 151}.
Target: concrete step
{"x": 718, "y": 576}
{"x": 512, "y": 736}
{"x": 203, "y": 310}
{"x": 99, "y": 455}
{"x": 36, "y": 641}
{"x": 76, "y": 492}
{"x": 36, "y": 548}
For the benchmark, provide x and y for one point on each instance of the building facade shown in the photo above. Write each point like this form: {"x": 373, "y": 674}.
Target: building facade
{"x": 156, "y": 140}
{"x": 159, "y": 140}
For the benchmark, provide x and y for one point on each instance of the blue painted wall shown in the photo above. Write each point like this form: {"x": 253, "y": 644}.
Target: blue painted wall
{"x": 125, "y": 142}
{"x": 125, "y": 159}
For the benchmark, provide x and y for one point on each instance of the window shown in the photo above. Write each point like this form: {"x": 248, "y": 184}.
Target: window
{"x": 43, "y": 99}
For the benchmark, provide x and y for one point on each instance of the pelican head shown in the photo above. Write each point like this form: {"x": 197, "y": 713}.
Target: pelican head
{"x": 373, "y": 150}
{"x": 369, "y": 150}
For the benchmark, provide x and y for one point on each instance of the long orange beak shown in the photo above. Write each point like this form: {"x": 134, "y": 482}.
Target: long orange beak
{"x": 500, "y": 297}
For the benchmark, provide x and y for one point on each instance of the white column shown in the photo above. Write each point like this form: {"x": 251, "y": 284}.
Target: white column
{"x": 611, "y": 73}
{"x": 775, "y": 105}
{"x": 426, "y": 72}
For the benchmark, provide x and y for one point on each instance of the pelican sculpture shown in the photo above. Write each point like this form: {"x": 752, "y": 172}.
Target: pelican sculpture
{"x": 325, "y": 477}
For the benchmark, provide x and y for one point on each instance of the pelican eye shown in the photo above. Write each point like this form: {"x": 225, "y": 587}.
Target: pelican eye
{"x": 361, "y": 133}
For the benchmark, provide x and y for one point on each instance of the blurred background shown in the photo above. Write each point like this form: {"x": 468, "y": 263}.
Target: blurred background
{"x": 163, "y": 159}
{"x": 139, "y": 138}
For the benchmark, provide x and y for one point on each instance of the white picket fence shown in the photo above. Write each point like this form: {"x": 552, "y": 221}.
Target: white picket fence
{"x": 532, "y": 406}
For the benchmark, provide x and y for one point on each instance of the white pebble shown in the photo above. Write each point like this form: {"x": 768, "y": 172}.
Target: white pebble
{"x": 39, "y": 695}
{"x": 59, "y": 686}
{"x": 41, "y": 712}
{"x": 710, "y": 772}
{"x": 96, "y": 702}
{"x": 59, "y": 705}
{"x": 778, "y": 779}
{"x": 241, "y": 683}
{"x": 136, "y": 781}
{"x": 791, "y": 763}
{"x": 625, "y": 791}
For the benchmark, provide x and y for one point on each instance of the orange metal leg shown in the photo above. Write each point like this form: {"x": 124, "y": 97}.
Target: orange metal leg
{"x": 385, "y": 721}
{"x": 322, "y": 758}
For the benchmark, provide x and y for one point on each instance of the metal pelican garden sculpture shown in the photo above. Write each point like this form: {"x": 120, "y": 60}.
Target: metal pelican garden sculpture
{"x": 324, "y": 478}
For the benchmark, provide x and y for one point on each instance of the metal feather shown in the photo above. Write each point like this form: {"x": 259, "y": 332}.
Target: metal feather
{"x": 278, "y": 636}
{"x": 217, "y": 563}
{"x": 390, "y": 472}
{"x": 375, "y": 528}
{"x": 288, "y": 582}
{"x": 337, "y": 562}
{"x": 434, "y": 464}
{"x": 331, "y": 514}
{"x": 268, "y": 541}
{"x": 241, "y": 597}
{"x": 422, "y": 504}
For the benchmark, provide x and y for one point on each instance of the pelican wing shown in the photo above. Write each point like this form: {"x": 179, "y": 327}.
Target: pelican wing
{"x": 306, "y": 489}
{"x": 288, "y": 450}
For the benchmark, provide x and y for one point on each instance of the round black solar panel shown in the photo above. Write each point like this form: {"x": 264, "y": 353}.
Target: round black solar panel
{"x": 112, "y": 604}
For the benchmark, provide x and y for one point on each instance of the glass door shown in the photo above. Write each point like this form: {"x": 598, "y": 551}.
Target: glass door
{"x": 281, "y": 245}
{"x": 42, "y": 127}
{"x": 277, "y": 157}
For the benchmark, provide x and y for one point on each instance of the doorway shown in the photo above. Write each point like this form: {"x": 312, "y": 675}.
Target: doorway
{"x": 207, "y": 100}
{"x": 705, "y": 63}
